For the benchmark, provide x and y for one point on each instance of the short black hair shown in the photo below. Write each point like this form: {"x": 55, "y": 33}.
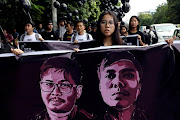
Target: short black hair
{"x": 71, "y": 23}
{"x": 147, "y": 26}
{"x": 48, "y": 21}
{"x": 69, "y": 66}
{"x": 79, "y": 21}
{"x": 113, "y": 57}
{"x": 30, "y": 22}
{"x": 94, "y": 25}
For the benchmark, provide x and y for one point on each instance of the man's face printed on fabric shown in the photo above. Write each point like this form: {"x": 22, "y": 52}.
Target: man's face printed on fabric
{"x": 119, "y": 84}
{"x": 60, "y": 97}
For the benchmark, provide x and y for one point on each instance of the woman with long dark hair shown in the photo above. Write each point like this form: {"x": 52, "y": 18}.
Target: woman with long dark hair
{"x": 107, "y": 30}
{"x": 134, "y": 29}
{"x": 107, "y": 33}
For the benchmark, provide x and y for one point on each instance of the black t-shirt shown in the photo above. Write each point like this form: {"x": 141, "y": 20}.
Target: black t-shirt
{"x": 139, "y": 33}
{"x": 93, "y": 34}
{"x": 67, "y": 37}
{"x": 49, "y": 35}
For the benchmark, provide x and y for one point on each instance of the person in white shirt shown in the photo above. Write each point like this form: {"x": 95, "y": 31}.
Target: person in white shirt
{"x": 81, "y": 34}
{"x": 29, "y": 34}
{"x": 150, "y": 32}
{"x": 62, "y": 29}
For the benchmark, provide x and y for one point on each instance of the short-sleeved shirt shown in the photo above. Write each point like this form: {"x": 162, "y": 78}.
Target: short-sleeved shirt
{"x": 15, "y": 35}
{"x": 67, "y": 37}
{"x": 81, "y": 38}
{"x": 8, "y": 36}
{"x": 49, "y": 35}
{"x": 139, "y": 33}
{"x": 30, "y": 37}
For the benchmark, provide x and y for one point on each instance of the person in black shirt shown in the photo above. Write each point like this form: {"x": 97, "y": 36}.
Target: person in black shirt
{"x": 40, "y": 29}
{"x": 49, "y": 34}
{"x": 69, "y": 32}
{"x": 94, "y": 29}
{"x": 134, "y": 29}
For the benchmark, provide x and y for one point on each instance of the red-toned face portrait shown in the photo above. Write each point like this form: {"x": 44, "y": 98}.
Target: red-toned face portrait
{"x": 58, "y": 90}
{"x": 120, "y": 84}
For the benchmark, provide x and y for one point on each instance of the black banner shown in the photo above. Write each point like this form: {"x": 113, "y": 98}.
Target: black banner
{"x": 104, "y": 83}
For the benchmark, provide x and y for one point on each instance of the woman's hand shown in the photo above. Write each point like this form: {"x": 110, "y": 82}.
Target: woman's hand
{"x": 143, "y": 44}
{"x": 17, "y": 51}
{"x": 76, "y": 49}
{"x": 139, "y": 37}
{"x": 75, "y": 41}
{"x": 126, "y": 34}
{"x": 170, "y": 40}
{"x": 41, "y": 39}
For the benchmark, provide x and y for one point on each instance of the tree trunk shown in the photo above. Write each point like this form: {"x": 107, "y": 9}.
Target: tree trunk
{"x": 54, "y": 15}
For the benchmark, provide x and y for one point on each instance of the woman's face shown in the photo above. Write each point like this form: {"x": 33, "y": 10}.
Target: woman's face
{"x": 134, "y": 22}
{"x": 107, "y": 25}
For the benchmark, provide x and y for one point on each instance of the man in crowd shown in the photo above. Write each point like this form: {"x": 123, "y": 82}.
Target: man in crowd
{"x": 94, "y": 28}
{"x": 60, "y": 88}
{"x": 15, "y": 37}
{"x": 89, "y": 28}
{"x": 149, "y": 35}
{"x": 29, "y": 35}
{"x": 120, "y": 77}
{"x": 69, "y": 32}
{"x": 40, "y": 29}
{"x": 49, "y": 33}
{"x": 8, "y": 37}
{"x": 81, "y": 34}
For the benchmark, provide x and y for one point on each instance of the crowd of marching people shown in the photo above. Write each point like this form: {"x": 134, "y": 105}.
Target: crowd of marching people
{"x": 106, "y": 32}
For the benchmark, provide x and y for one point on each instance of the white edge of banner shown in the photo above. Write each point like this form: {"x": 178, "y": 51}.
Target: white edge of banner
{"x": 176, "y": 41}
{"x": 37, "y": 53}
{"x": 129, "y": 36}
{"x": 83, "y": 50}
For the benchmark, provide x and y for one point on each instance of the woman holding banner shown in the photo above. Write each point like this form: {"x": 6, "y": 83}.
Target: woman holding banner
{"x": 107, "y": 30}
{"x": 134, "y": 29}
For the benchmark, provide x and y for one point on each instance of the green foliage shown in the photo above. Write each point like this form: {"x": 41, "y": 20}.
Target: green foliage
{"x": 168, "y": 13}
{"x": 37, "y": 10}
{"x": 89, "y": 10}
{"x": 165, "y": 13}
{"x": 13, "y": 16}
{"x": 119, "y": 3}
{"x": 173, "y": 11}
{"x": 94, "y": 10}
{"x": 146, "y": 19}
{"x": 161, "y": 15}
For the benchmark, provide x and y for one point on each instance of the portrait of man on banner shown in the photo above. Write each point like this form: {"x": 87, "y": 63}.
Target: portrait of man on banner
{"x": 120, "y": 76}
{"x": 60, "y": 88}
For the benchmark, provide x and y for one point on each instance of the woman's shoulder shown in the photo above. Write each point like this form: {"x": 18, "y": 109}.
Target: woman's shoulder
{"x": 140, "y": 33}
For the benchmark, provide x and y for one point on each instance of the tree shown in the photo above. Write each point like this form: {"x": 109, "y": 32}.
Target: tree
{"x": 161, "y": 15}
{"x": 146, "y": 19}
{"x": 90, "y": 9}
{"x": 13, "y": 16}
{"x": 173, "y": 11}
